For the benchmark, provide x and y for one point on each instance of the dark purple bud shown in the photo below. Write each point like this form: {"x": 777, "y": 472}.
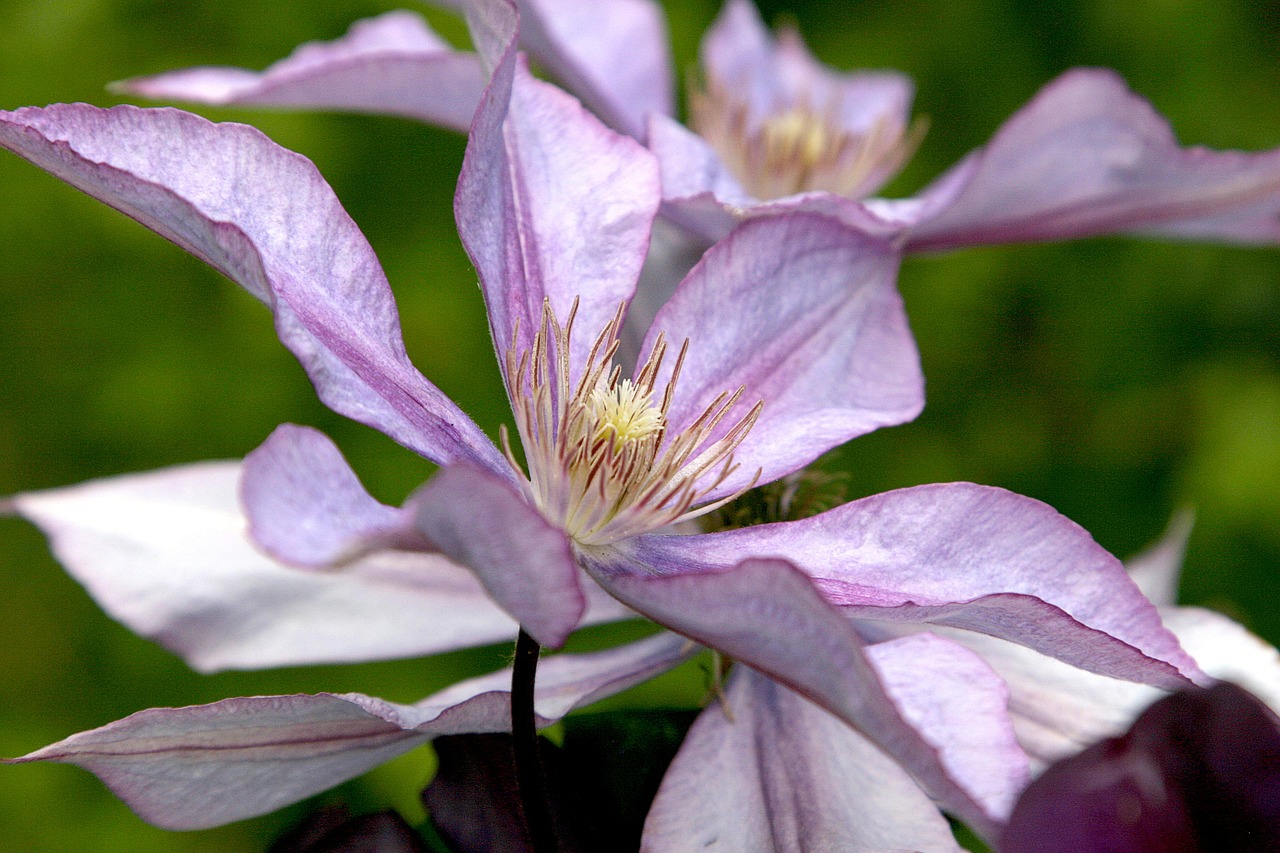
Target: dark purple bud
{"x": 1198, "y": 771}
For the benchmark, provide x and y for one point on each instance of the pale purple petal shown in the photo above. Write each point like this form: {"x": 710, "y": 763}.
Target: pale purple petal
{"x": 701, "y": 194}
{"x": 494, "y": 26}
{"x": 766, "y": 614}
{"x": 770, "y": 771}
{"x": 392, "y": 64}
{"x": 1087, "y": 156}
{"x": 203, "y": 766}
{"x": 1226, "y": 650}
{"x": 691, "y": 168}
{"x": 967, "y": 556}
{"x": 306, "y": 507}
{"x": 611, "y": 54}
{"x": 524, "y": 562}
{"x": 167, "y": 554}
{"x": 264, "y": 217}
{"x": 862, "y": 100}
{"x": 960, "y": 705}
{"x": 738, "y": 50}
{"x": 803, "y": 313}
{"x": 673, "y": 251}
{"x": 1058, "y": 709}
{"x": 552, "y": 205}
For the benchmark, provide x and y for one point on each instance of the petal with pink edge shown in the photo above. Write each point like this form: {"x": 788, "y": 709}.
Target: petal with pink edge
{"x": 552, "y": 205}
{"x": 306, "y": 507}
{"x": 769, "y": 770}
{"x": 612, "y": 55}
{"x": 738, "y": 51}
{"x": 526, "y": 564}
{"x": 803, "y": 313}
{"x": 691, "y": 169}
{"x": 968, "y": 556}
{"x": 960, "y": 705}
{"x": 265, "y": 218}
{"x": 766, "y": 614}
{"x": 1058, "y": 709}
{"x": 392, "y": 64}
{"x": 1087, "y": 156}
{"x": 206, "y": 765}
{"x": 167, "y": 554}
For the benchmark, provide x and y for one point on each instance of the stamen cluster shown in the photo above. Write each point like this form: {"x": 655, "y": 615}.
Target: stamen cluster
{"x": 601, "y": 460}
{"x": 800, "y": 146}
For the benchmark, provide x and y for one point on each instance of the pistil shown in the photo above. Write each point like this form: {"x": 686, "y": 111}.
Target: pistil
{"x": 601, "y": 460}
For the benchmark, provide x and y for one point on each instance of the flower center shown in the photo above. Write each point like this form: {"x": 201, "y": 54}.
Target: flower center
{"x": 800, "y": 146}
{"x": 602, "y": 461}
{"x": 626, "y": 412}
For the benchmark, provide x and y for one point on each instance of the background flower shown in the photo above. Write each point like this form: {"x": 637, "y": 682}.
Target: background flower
{"x": 1115, "y": 380}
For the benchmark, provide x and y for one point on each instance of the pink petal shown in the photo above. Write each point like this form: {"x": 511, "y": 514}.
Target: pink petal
{"x": 960, "y": 705}
{"x": 264, "y": 217}
{"x": 1087, "y": 156}
{"x": 612, "y": 55}
{"x": 1058, "y": 709}
{"x": 766, "y": 614}
{"x": 306, "y": 507}
{"x": 738, "y": 50}
{"x": 524, "y": 562}
{"x": 392, "y": 64}
{"x": 552, "y": 205}
{"x": 1226, "y": 650}
{"x": 968, "y": 556}
{"x": 167, "y": 554}
{"x": 690, "y": 166}
{"x": 802, "y": 312}
{"x": 772, "y": 771}
{"x": 203, "y": 766}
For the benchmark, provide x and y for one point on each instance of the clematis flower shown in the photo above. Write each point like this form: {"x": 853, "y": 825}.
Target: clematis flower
{"x": 773, "y": 130}
{"x": 835, "y": 620}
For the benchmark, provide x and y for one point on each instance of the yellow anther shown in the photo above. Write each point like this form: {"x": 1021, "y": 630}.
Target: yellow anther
{"x": 600, "y": 460}
{"x": 627, "y": 412}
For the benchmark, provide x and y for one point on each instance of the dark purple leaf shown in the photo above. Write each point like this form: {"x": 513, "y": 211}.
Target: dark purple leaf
{"x": 332, "y": 830}
{"x": 600, "y": 783}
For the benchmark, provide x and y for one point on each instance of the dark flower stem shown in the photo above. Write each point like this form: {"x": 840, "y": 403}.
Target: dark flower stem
{"x": 524, "y": 732}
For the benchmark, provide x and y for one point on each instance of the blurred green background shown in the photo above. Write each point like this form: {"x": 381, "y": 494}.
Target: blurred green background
{"x": 1115, "y": 379}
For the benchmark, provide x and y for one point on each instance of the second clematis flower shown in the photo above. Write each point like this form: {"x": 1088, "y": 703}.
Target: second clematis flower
{"x": 587, "y": 518}
{"x": 770, "y": 129}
